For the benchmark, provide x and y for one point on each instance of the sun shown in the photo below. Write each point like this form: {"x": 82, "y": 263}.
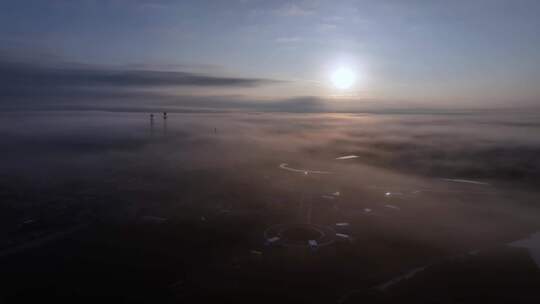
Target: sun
{"x": 343, "y": 78}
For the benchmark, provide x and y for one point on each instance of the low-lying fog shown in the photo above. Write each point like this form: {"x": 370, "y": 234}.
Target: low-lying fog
{"x": 415, "y": 190}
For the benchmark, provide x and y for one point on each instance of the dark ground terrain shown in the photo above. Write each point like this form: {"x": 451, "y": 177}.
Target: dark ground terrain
{"x": 98, "y": 206}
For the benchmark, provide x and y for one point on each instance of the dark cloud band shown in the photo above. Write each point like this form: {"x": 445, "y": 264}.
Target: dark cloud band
{"x": 20, "y": 76}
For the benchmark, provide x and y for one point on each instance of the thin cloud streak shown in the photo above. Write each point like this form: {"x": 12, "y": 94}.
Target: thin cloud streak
{"x": 22, "y": 75}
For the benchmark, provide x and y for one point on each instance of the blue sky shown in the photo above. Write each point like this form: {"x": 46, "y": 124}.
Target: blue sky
{"x": 464, "y": 53}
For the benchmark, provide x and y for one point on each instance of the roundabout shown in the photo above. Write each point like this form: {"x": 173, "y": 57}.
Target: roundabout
{"x": 299, "y": 235}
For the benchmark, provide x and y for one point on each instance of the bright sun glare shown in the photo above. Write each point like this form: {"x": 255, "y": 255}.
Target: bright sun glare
{"x": 343, "y": 78}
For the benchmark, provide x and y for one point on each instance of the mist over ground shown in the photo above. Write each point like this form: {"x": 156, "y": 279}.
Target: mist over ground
{"x": 192, "y": 202}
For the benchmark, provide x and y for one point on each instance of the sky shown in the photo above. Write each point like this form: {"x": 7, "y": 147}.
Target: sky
{"x": 474, "y": 53}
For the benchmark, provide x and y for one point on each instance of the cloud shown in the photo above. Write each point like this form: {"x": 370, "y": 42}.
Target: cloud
{"x": 294, "y": 10}
{"x": 14, "y": 76}
{"x": 130, "y": 100}
{"x": 327, "y": 27}
{"x": 287, "y": 40}
{"x": 152, "y": 6}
